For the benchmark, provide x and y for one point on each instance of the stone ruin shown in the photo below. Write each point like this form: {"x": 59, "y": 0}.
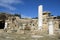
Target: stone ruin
{"x": 14, "y": 24}
{"x": 10, "y": 23}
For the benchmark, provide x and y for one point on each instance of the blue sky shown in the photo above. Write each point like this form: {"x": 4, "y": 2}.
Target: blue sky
{"x": 29, "y": 8}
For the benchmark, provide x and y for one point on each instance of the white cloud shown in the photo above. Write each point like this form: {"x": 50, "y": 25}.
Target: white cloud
{"x": 10, "y": 1}
{"x": 7, "y": 3}
{"x": 23, "y": 16}
{"x": 7, "y": 6}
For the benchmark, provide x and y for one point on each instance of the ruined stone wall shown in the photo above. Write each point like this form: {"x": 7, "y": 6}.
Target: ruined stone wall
{"x": 45, "y": 22}
{"x": 15, "y": 24}
{"x": 32, "y": 24}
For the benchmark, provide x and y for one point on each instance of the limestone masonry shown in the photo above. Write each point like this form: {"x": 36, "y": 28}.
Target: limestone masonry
{"x": 11, "y": 23}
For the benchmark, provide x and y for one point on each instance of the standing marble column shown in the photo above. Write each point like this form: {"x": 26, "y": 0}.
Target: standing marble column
{"x": 50, "y": 27}
{"x": 40, "y": 12}
{"x": 5, "y": 25}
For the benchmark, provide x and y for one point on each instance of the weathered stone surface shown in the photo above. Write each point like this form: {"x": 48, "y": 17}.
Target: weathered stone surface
{"x": 16, "y": 24}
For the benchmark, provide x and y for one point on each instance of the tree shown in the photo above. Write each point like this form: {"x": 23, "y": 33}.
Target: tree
{"x": 17, "y": 15}
{"x": 35, "y": 18}
{"x": 3, "y": 16}
{"x": 58, "y": 17}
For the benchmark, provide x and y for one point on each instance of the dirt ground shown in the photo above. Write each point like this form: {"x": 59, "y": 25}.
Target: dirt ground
{"x": 27, "y": 36}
